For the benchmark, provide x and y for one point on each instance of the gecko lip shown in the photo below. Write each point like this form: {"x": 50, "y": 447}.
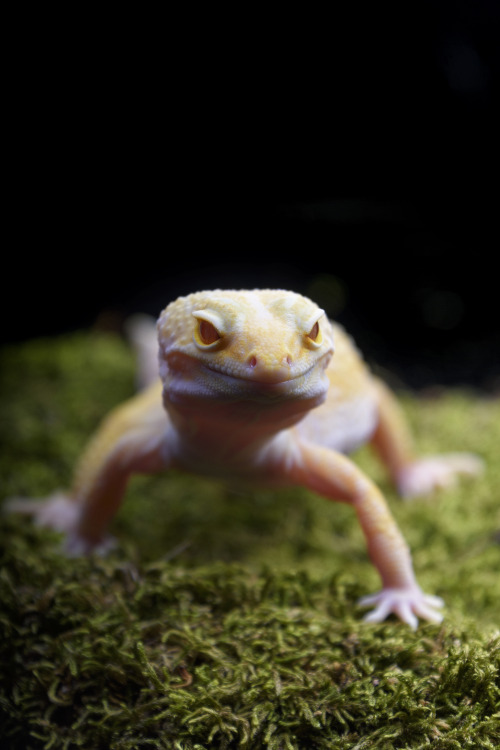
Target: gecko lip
{"x": 277, "y": 382}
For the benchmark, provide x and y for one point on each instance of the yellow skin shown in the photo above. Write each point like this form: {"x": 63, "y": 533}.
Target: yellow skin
{"x": 258, "y": 386}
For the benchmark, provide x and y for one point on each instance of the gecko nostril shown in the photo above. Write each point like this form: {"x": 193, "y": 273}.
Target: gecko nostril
{"x": 254, "y": 362}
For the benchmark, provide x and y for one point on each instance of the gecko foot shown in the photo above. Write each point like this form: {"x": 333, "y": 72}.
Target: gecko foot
{"x": 76, "y": 545}
{"x": 424, "y": 475}
{"x": 407, "y": 604}
{"x": 56, "y": 512}
{"x": 59, "y": 513}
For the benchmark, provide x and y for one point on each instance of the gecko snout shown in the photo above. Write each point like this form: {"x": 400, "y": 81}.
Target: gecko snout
{"x": 267, "y": 370}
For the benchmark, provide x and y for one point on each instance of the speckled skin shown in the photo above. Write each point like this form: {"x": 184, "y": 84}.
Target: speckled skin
{"x": 259, "y": 387}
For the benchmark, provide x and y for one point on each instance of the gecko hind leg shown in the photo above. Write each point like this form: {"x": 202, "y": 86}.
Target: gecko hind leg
{"x": 414, "y": 476}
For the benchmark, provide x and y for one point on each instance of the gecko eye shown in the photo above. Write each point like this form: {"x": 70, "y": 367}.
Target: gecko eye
{"x": 314, "y": 332}
{"x": 314, "y": 336}
{"x": 207, "y": 333}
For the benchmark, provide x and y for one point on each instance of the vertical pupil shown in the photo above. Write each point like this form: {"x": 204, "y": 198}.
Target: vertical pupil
{"x": 314, "y": 332}
{"x": 208, "y": 332}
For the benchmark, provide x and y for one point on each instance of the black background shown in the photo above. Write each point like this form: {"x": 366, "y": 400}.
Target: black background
{"x": 353, "y": 158}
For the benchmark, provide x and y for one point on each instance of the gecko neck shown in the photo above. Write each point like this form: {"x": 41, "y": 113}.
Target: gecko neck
{"x": 234, "y": 428}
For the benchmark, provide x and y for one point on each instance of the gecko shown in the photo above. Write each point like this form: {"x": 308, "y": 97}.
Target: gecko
{"x": 259, "y": 387}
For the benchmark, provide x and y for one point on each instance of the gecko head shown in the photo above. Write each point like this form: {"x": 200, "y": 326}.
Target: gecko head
{"x": 260, "y": 346}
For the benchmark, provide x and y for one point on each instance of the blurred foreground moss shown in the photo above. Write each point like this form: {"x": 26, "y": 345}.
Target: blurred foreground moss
{"x": 227, "y": 620}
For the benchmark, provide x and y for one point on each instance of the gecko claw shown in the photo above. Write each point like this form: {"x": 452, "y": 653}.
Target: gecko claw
{"x": 76, "y": 545}
{"x": 408, "y": 605}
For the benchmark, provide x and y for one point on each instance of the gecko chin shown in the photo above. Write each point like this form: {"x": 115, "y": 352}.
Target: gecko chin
{"x": 230, "y": 394}
{"x": 231, "y": 401}
{"x": 270, "y": 387}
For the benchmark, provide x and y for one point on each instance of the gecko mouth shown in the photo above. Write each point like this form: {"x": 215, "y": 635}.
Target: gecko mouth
{"x": 190, "y": 378}
{"x": 280, "y": 382}
{"x": 273, "y": 378}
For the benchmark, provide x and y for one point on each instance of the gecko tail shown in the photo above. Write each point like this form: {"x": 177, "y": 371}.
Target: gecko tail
{"x": 140, "y": 330}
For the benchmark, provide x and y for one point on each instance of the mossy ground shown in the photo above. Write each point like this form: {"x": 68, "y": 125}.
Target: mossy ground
{"x": 226, "y": 620}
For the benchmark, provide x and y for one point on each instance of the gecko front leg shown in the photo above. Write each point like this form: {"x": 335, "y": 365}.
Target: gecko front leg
{"x": 335, "y": 477}
{"x": 130, "y": 440}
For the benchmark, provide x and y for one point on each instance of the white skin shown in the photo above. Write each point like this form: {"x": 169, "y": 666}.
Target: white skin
{"x": 252, "y": 390}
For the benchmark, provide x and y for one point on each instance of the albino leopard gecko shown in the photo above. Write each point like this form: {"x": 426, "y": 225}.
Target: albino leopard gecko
{"x": 259, "y": 386}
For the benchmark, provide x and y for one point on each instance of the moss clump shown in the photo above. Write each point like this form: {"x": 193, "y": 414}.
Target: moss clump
{"x": 226, "y": 620}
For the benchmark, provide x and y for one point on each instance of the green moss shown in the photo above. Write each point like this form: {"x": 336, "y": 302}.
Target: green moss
{"x": 227, "y": 620}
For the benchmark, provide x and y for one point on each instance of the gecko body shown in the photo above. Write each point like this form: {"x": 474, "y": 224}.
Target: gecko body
{"x": 259, "y": 387}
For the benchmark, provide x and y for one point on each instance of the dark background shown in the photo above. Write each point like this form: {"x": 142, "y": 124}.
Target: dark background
{"x": 353, "y": 159}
